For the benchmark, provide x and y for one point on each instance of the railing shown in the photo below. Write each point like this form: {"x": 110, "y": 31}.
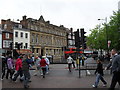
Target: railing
{"x": 93, "y": 66}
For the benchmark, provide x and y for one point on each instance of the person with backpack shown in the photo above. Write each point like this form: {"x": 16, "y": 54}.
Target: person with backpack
{"x": 25, "y": 67}
{"x": 43, "y": 64}
{"x": 99, "y": 76}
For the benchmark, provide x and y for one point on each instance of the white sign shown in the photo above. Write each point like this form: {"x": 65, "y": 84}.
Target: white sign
{"x": 109, "y": 42}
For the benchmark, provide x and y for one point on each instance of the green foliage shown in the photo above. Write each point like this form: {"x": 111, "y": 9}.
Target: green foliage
{"x": 98, "y": 37}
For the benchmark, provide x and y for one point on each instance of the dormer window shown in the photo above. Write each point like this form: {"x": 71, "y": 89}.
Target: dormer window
{"x": 20, "y": 26}
{"x": 7, "y": 35}
{"x": 5, "y": 26}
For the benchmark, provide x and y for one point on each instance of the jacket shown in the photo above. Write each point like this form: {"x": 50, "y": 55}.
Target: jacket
{"x": 26, "y": 64}
{"x": 116, "y": 64}
{"x": 10, "y": 63}
{"x": 43, "y": 63}
{"x": 99, "y": 69}
{"x": 69, "y": 59}
{"x": 18, "y": 64}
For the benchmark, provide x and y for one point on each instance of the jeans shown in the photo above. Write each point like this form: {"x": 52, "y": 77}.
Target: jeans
{"x": 98, "y": 78}
{"x": 46, "y": 68}
{"x": 26, "y": 77}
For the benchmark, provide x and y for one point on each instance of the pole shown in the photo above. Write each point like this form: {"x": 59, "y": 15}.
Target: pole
{"x": 79, "y": 61}
{"x": 107, "y": 36}
{"x": 79, "y": 68}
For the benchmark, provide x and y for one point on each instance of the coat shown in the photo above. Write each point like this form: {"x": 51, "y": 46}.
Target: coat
{"x": 10, "y": 63}
{"x": 18, "y": 64}
{"x": 43, "y": 63}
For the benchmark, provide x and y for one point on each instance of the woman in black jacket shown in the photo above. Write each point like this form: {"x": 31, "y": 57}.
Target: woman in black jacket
{"x": 99, "y": 76}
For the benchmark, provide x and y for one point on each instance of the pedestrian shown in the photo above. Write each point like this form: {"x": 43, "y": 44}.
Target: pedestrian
{"x": 43, "y": 64}
{"x": 115, "y": 66}
{"x": 47, "y": 66}
{"x": 73, "y": 63}
{"x": 4, "y": 64}
{"x": 99, "y": 76}
{"x": 10, "y": 69}
{"x": 37, "y": 65}
{"x": 18, "y": 68}
{"x": 25, "y": 67}
{"x": 69, "y": 61}
{"x": 77, "y": 63}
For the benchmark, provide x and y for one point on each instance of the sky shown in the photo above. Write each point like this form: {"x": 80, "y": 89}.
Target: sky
{"x": 70, "y": 13}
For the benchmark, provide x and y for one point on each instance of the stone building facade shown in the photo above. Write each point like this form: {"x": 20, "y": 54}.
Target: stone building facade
{"x": 46, "y": 38}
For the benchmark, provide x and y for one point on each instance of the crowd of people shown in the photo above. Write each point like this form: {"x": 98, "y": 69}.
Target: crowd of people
{"x": 20, "y": 67}
{"x": 114, "y": 65}
{"x": 13, "y": 68}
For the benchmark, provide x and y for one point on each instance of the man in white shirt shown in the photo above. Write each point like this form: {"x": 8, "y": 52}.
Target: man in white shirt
{"x": 69, "y": 60}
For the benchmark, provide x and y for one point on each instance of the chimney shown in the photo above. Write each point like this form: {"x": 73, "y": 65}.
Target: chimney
{"x": 9, "y": 20}
{"x": 24, "y": 17}
{"x": 71, "y": 29}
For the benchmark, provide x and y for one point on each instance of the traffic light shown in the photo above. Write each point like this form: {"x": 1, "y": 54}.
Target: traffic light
{"x": 77, "y": 38}
{"x": 83, "y": 38}
{"x": 85, "y": 46}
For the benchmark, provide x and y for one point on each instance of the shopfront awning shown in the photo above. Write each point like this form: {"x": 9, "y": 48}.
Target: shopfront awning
{"x": 24, "y": 51}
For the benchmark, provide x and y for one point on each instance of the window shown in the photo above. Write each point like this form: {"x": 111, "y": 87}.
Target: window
{"x": 32, "y": 50}
{"x": 7, "y": 35}
{"x": 16, "y": 34}
{"x": 36, "y": 38}
{"x": 20, "y": 26}
{"x": 26, "y": 45}
{"x": 21, "y": 34}
{"x": 21, "y": 45}
{"x": 37, "y": 51}
{"x": 5, "y": 26}
{"x": 32, "y": 38}
{"x": 26, "y": 35}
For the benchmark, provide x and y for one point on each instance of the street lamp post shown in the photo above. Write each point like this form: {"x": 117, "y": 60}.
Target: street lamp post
{"x": 106, "y": 33}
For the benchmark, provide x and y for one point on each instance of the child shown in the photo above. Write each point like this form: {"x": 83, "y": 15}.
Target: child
{"x": 99, "y": 76}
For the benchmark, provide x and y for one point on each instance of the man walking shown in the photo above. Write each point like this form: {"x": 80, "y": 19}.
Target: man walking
{"x": 115, "y": 64}
{"x": 25, "y": 67}
{"x": 69, "y": 60}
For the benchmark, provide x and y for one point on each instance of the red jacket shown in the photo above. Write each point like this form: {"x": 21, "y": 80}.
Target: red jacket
{"x": 43, "y": 63}
{"x": 18, "y": 64}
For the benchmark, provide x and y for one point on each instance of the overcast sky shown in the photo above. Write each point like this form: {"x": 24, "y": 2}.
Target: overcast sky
{"x": 70, "y": 13}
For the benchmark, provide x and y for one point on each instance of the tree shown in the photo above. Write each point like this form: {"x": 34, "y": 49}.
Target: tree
{"x": 97, "y": 38}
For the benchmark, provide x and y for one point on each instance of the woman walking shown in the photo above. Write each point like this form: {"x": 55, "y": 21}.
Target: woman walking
{"x": 10, "y": 69}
